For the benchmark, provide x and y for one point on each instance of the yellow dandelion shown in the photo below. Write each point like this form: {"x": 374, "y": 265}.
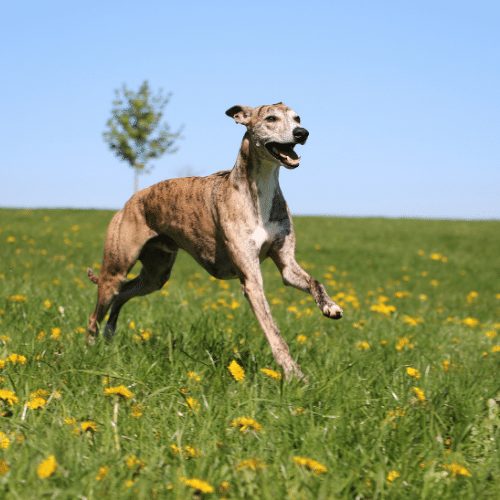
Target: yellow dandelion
{"x": 495, "y": 349}
{"x": 128, "y": 483}
{"x": 457, "y": 470}
{"x": 193, "y": 404}
{"x": 36, "y": 403}
{"x": 245, "y": 424}
{"x": 55, "y": 333}
{"x": 41, "y": 335}
{"x": 268, "y": 372}
{"x": 224, "y": 487}
{"x": 2, "y": 364}
{"x": 102, "y": 473}
{"x": 237, "y": 371}
{"x": 137, "y": 411}
{"x": 4, "y": 467}
{"x": 10, "y": 239}
{"x": 310, "y": 464}
{"x": 382, "y": 308}
{"x": 446, "y": 364}
{"x": 404, "y": 343}
{"x": 4, "y": 441}
{"x": 491, "y": 334}
{"x": 120, "y": 391}
{"x": 412, "y": 372}
{"x": 193, "y": 376}
{"x": 363, "y": 345}
{"x": 472, "y": 296}
{"x": 133, "y": 462}
{"x": 131, "y": 325}
{"x": 401, "y": 294}
{"x": 392, "y": 476}
{"x": 191, "y": 452}
{"x": 47, "y": 467}
{"x": 419, "y": 393}
{"x": 434, "y": 283}
{"x": 39, "y": 393}
{"x": 88, "y": 426}
{"x": 412, "y": 320}
{"x": 471, "y": 322}
{"x": 422, "y": 297}
{"x": 198, "y": 485}
{"x": 301, "y": 339}
{"x": 47, "y": 304}
{"x": 16, "y": 359}
{"x": 8, "y": 396}
{"x": 19, "y": 298}
{"x": 250, "y": 464}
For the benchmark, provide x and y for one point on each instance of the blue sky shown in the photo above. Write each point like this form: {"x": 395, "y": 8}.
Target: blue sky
{"x": 402, "y": 99}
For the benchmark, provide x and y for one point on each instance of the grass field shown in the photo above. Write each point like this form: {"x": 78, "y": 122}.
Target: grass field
{"x": 402, "y": 398}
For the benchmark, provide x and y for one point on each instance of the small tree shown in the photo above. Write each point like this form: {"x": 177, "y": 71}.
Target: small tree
{"x": 134, "y": 132}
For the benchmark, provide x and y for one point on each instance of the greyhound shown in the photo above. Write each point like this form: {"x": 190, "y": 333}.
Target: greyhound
{"x": 228, "y": 221}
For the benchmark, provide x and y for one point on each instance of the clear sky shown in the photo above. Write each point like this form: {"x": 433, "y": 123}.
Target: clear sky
{"x": 402, "y": 99}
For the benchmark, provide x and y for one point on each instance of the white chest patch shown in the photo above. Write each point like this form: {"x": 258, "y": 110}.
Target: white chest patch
{"x": 264, "y": 233}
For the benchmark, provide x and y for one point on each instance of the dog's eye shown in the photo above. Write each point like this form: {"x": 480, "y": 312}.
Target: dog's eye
{"x": 297, "y": 119}
{"x": 271, "y": 118}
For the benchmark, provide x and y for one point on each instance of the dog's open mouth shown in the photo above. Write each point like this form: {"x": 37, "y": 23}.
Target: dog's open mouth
{"x": 284, "y": 153}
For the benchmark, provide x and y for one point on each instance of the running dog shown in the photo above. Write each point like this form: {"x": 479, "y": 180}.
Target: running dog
{"x": 228, "y": 222}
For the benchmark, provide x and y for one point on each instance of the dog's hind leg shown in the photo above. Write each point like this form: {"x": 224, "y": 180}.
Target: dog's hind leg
{"x": 283, "y": 255}
{"x": 157, "y": 263}
{"x": 124, "y": 241}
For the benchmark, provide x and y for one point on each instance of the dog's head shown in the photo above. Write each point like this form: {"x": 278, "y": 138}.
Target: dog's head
{"x": 276, "y": 127}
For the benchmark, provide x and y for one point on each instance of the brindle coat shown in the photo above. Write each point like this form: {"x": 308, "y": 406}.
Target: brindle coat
{"x": 228, "y": 221}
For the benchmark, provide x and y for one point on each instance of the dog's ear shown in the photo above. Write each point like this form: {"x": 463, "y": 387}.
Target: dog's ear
{"x": 240, "y": 114}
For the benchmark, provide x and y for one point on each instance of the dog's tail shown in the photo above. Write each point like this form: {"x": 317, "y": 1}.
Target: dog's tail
{"x": 92, "y": 276}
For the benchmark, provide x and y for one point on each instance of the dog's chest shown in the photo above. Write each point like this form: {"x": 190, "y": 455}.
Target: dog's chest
{"x": 272, "y": 214}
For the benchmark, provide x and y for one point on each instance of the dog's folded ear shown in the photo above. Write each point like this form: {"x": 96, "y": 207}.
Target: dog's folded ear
{"x": 240, "y": 114}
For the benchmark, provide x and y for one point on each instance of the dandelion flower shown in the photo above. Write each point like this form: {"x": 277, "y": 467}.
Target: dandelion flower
{"x": 470, "y": 322}
{"x": 55, "y": 333}
{"x": 457, "y": 470}
{"x": 8, "y": 396}
{"x": 198, "y": 485}
{"x": 419, "y": 393}
{"x": 245, "y": 424}
{"x": 4, "y": 441}
{"x": 102, "y": 473}
{"x": 412, "y": 372}
{"x": 495, "y": 348}
{"x": 47, "y": 467}
{"x": 446, "y": 364}
{"x": 310, "y": 464}
{"x": 271, "y": 373}
{"x": 412, "y": 320}
{"x": 88, "y": 426}
{"x": 193, "y": 404}
{"x": 136, "y": 411}
{"x": 251, "y": 464}
{"x": 36, "y": 403}
{"x": 382, "y": 308}
{"x": 363, "y": 345}
{"x": 301, "y": 339}
{"x": 402, "y": 343}
{"x": 16, "y": 359}
{"x": 133, "y": 462}
{"x": 392, "y": 476}
{"x": 19, "y": 298}
{"x": 119, "y": 390}
{"x": 237, "y": 371}
{"x": 193, "y": 376}
{"x": 4, "y": 467}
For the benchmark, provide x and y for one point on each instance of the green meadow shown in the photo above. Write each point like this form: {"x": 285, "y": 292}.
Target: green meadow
{"x": 402, "y": 398}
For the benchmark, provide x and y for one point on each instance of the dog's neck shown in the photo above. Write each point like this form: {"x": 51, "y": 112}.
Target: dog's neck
{"x": 259, "y": 175}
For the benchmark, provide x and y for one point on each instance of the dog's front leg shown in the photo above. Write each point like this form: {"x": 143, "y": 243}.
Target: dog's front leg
{"x": 283, "y": 254}
{"x": 254, "y": 291}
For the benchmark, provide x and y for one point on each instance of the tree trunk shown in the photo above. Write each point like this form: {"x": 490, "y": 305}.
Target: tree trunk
{"x": 136, "y": 180}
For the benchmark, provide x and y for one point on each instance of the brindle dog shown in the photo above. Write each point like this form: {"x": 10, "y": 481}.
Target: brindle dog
{"x": 228, "y": 221}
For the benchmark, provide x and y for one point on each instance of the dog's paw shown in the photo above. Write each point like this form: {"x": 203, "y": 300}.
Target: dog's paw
{"x": 333, "y": 311}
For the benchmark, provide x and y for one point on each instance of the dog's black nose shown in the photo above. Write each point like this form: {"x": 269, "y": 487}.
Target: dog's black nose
{"x": 300, "y": 134}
